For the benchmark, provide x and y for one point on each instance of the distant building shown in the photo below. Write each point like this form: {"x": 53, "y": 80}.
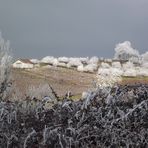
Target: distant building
{"x": 23, "y": 63}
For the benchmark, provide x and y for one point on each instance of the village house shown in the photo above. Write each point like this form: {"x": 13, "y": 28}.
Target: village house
{"x": 23, "y": 63}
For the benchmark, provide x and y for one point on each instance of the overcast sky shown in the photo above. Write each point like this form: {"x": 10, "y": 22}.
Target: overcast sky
{"x": 37, "y": 28}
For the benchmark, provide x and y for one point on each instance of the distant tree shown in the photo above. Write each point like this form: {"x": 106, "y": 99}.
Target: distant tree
{"x": 5, "y": 67}
{"x": 145, "y": 57}
{"x": 124, "y": 51}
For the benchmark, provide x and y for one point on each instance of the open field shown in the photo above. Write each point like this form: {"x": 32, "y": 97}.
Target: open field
{"x": 61, "y": 79}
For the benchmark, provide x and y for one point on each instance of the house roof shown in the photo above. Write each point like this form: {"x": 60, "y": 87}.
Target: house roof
{"x": 27, "y": 61}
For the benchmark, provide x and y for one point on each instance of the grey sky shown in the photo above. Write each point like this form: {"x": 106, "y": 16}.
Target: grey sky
{"x": 37, "y": 28}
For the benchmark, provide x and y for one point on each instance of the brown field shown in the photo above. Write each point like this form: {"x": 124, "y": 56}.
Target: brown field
{"x": 61, "y": 79}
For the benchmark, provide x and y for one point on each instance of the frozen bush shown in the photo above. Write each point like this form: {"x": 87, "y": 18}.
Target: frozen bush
{"x": 93, "y": 60}
{"x": 108, "y": 76}
{"x": 128, "y": 65}
{"x": 35, "y": 61}
{"x": 84, "y": 60}
{"x": 104, "y": 65}
{"x": 63, "y": 59}
{"x": 141, "y": 71}
{"x": 108, "y": 60}
{"x": 55, "y": 62}
{"x": 116, "y": 71}
{"x": 144, "y": 65}
{"x": 90, "y": 68}
{"x": 74, "y": 62}
{"x": 130, "y": 73}
{"x": 80, "y": 68}
{"x": 145, "y": 57}
{"x": 48, "y": 60}
{"x": 116, "y": 65}
{"x": 5, "y": 67}
{"x": 62, "y": 64}
{"x": 124, "y": 51}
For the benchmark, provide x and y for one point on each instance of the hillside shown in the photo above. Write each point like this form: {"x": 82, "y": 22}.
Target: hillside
{"x": 61, "y": 79}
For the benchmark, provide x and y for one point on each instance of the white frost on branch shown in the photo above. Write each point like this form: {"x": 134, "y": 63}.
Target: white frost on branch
{"x": 74, "y": 62}
{"x": 63, "y": 59}
{"x": 124, "y": 51}
{"x": 5, "y": 66}
{"x": 145, "y": 57}
{"x": 48, "y": 60}
{"x": 108, "y": 76}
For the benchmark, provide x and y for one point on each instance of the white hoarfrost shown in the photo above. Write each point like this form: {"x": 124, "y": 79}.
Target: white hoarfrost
{"x": 84, "y": 60}
{"x": 129, "y": 70}
{"x": 62, "y": 64}
{"x": 130, "y": 73}
{"x": 55, "y": 62}
{"x": 128, "y": 65}
{"x": 104, "y": 65}
{"x": 90, "y": 68}
{"x": 80, "y": 68}
{"x": 5, "y": 66}
{"x": 108, "y": 76}
{"x": 124, "y": 51}
{"x": 144, "y": 65}
{"x": 48, "y": 60}
{"x": 93, "y": 60}
{"x": 35, "y": 61}
{"x": 145, "y": 57}
{"x": 74, "y": 62}
{"x": 63, "y": 59}
{"x": 116, "y": 65}
{"x": 141, "y": 71}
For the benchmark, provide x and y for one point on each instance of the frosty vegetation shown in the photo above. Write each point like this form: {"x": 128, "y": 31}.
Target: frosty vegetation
{"x": 127, "y": 62}
{"x": 5, "y": 66}
{"x": 108, "y": 116}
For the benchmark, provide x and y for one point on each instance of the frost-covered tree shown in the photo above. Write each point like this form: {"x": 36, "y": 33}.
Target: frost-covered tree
{"x": 5, "y": 66}
{"x": 145, "y": 57}
{"x": 124, "y": 51}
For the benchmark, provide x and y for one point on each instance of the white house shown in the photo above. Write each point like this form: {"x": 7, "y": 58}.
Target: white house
{"x": 23, "y": 63}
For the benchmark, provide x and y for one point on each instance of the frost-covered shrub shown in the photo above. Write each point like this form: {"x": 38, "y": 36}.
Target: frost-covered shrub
{"x": 90, "y": 68}
{"x": 93, "y": 60}
{"x": 35, "y": 61}
{"x": 55, "y": 62}
{"x": 108, "y": 60}
{"x": 84, "y": 60}
{"x": 5, "y": 67}
{"x": 62, "y": 64}
{"x": 116, "y": 65}
{"x": 74, "y": 62}
{"x": 144, "y": 65}
{"x": 129, "y": 69}
{"x": 145, "y": 57}
{"x": 105, "y": 117}
{"x": 80, "y": 68}
{"x": 48, "y": 60}
{"x": 63, "y": 59}
{"x": 124, "y": 51}
{"x": 108, "y": 76}
{"x": 141, "y": 71}
{"x": 128, "y": 65}
{"x": 130, "y": 73}
{"x": 104, "y": 65}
